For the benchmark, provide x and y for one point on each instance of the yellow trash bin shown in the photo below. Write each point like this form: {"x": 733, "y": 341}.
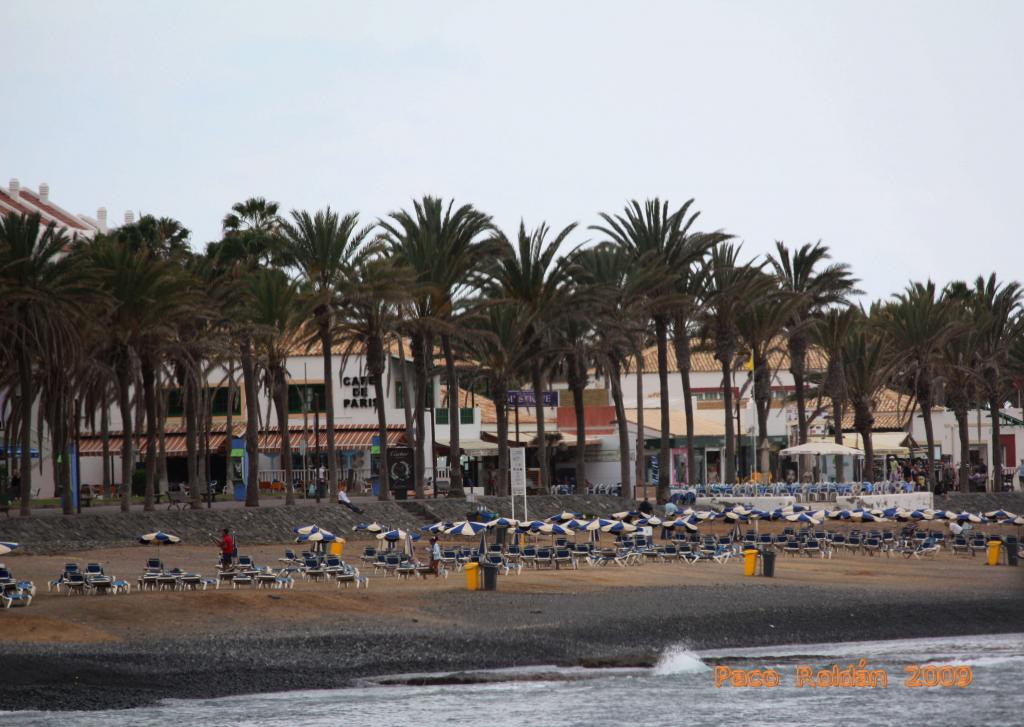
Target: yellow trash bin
{"x": 337, "y": 547}
{"x": 750, "y": 561}
{"x": 472, "y": 576}
{"x": 994, "y": 548}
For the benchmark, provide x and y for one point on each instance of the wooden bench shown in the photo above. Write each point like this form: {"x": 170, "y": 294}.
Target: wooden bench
{"x": 177, "y": 498}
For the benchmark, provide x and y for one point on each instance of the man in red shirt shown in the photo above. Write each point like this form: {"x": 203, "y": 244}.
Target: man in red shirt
{"x": 227, "y": 549}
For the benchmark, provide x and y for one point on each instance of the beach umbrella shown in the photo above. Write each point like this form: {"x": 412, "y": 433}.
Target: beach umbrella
{"x": 316, "y": 535}
{"x": 530, "y": 525}
{"x": 682, "y": 522}
{"x": 597, "y": 523}
{"x": 160, "y": 538}
{"x": 652, "y": 520}
{"x": 466, "y": 527}
{"x": 503, "y": 522}
{"x": 1018, "y": 521}
{"x": 437, "y": 527}
{"x": 969, "y": 517}
{"x": 393, "y": 536}
{"x": 575, "y": 524}
{"x": 373, "y": 527}
{"x": 553, "y": 529}
{"x": 6, "y": 548}
{"x": 619, "y": 527}
{"x": 734, "y": 516}
{"x": 999, "y": 515}
{"x": 563, "y": 516}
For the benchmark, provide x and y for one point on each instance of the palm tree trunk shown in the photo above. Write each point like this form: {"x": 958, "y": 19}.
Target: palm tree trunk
{"x": 798, "y": 367}
{"x": 149, "y": 401}
{"x": 454, "y": 450}
{"x": 665, "y": 453}
{"x": 925, "y": 401}
{"x": 837, "y": 418}
{"x": 326, "y": 342}
{"x": 163, "y": 481}
{"x": 581, "y": 427}
{"x": 965, "y": 448}
{"x": 28, "y": 396}
{"x": 252, "y": 490}
{"x": 615, "y": 376}
{"x": 419, "y": 354}
{"x": 377, "y": 372}
{"x": 681, "y": 338}
{"x": 191, "y": 412}
{"x": 127, "y": 460}
{"x": 862, "y": 422}
{"x": 105, "y": 446}
{"x": 410, "y": 432}
{"x": 762, "y": 402}
{"x": 641, "y": 475}
{"x": 281, "y": 400}
{"x": 544, "y": 481}
{"x": 502, "y": 486}
{"x": 729, "y": 465}
{"x": 997, "y": 450}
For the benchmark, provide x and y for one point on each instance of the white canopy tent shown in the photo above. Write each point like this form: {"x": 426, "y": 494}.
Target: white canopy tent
{"x": 820, "y": 449}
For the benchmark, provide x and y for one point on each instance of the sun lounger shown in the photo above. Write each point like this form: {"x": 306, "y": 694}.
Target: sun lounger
{"x": 16, "y": 596}
{"x": 563, "y": 557}
{"x": 75, "y": 584}
{"x": 369, "y": 555}
{"x": 544, "y": 558}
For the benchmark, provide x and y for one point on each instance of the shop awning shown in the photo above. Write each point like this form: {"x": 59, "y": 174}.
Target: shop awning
{"x": 174, "y": 444}
{"x": 473, "y": 447}
{"x": 346, "y": 436}
{"x": 882, "y": 443}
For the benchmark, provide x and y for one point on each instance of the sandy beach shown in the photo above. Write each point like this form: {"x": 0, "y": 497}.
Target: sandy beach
{"x": 90, "y": 652}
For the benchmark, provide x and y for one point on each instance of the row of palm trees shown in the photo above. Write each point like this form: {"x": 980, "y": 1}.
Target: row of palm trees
{"x": 125, "y": 318}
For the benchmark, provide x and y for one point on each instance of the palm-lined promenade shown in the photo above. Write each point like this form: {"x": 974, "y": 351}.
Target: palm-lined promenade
{"x": 107, "y": 336}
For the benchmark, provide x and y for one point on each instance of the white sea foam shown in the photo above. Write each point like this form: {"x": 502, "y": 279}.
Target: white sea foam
{"x": 679, "y": 660}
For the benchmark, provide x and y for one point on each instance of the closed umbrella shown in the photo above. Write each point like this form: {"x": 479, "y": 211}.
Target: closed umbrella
{"x": 6, "y": 548}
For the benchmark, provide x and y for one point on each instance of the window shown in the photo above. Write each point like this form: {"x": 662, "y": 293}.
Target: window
{"x": 465, "y": 416}
{"x": 716, "y": 395}
{"x": 441, "y": 416}
{"x": 310, "y": 392}
{"x": 412, "y": 398}
{"x": 218, "y": 397}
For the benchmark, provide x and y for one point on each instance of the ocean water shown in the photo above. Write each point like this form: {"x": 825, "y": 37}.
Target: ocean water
{"x": 679, "y": 690}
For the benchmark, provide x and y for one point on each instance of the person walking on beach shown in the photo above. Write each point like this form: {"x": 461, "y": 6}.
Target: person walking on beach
{"x": 435, "y": 557}
{"x": 343, "y": 499}
{"x": 227, "y": 549}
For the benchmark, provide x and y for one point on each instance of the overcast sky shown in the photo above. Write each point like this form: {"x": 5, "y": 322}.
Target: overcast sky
{"x": 892, "y": 131}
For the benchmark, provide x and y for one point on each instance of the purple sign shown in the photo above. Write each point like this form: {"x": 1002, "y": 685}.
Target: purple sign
{"x": 527, "y": 398}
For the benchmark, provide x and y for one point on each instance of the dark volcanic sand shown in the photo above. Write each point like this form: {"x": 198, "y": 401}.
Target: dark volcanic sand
{"x": 487, "y": 630}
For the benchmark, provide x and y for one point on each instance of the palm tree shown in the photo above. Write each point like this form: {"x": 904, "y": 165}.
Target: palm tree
{"x": 731, "y": 289}
{"x": 918, "y": 325}
{"x": 829, "y": 334}
{"x": 378, "y": 286}
{"x": 996, "y": 310}
{"x": 501, "y": 347}
{"x": 866, "y": 370}
{"x": 323, "y": 246}
{"x": 957, "y": 365}
{"x": 759, "y": 326}
{"x": 278, "y": 315}
{"x": 147, "y": 295}
{"x": 690, "y": 290}
{"x": 446, "y": 248}
{"x": 41, "y": 293}
{"x": 814, "y": 288}
{"x": 530, "y": 273}
{"x": 618, "y": 318}
{"x": 661, "y": 241}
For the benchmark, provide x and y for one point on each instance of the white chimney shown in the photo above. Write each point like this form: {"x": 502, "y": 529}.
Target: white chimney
{"x": 15, "y": 187}
{"x": 129, "y": 217}
{"x": 101, "y": 218}
{"x": 44, "y": 192}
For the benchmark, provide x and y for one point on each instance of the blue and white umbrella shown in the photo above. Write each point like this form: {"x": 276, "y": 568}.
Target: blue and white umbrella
{"x": 393, "y": 536}
{"x": 563, "y": 516}
{"x": 466, "y": 527}
{"x": 6, "y": 548}
{"x": 305, "y": 529}
{"x": 652, "y": 520}
{"x": 503, "y": 522}
{"x": 160, "y": 538}
{"x": 683, "y": 522}
{"x": 969, "y": 517}
{"x": 619, "y": 527}
{"x": 803, "y": 517}
{"x": 999, "y": 515}
{"x": 553, "y": 529}
{"x": 438, "y": 527}
{"x": 314, "y": 534}
{"x": 530, "y": 525}
{"x": 373, "y": 527}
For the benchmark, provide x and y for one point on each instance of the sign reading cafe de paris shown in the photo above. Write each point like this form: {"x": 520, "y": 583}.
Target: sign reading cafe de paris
{"x": 359, "y": 397}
